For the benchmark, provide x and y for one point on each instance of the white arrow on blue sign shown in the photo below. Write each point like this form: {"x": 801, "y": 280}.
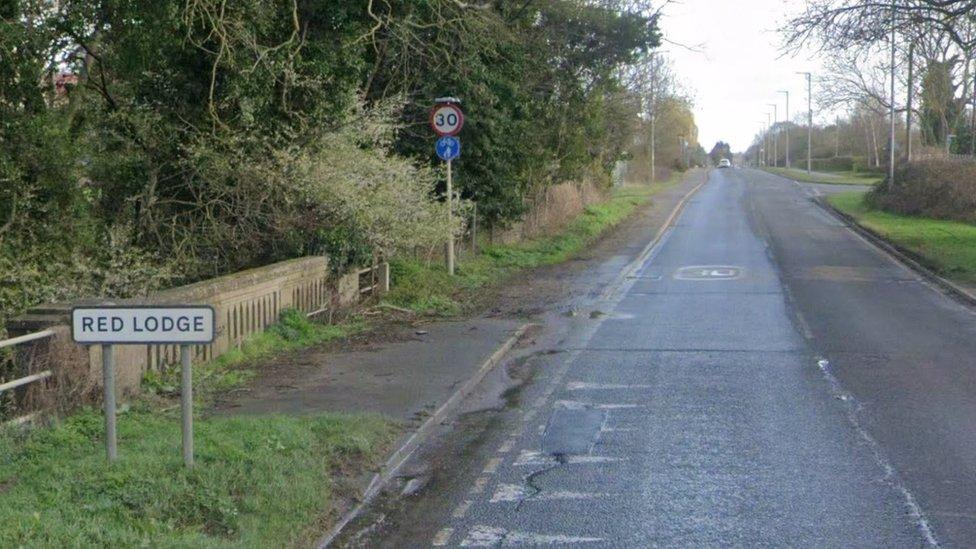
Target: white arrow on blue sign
{"x": 448, "y": 148}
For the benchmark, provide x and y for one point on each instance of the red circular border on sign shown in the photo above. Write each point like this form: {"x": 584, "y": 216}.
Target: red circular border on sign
{"x": 460, "y": 115}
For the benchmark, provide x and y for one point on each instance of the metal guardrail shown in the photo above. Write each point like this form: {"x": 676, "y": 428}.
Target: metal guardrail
{"x": 19, "y": 382}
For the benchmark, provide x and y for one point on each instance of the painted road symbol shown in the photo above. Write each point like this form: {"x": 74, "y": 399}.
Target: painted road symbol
{"x": 708, "y": 272}
{"x": 446, "y": 119}
{"x": 448, "y": 148}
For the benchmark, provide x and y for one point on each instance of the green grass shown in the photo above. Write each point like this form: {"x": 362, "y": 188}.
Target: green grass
{"x": 830, "y": 178}
{"x": 258, "y": 481}
{"x": 430, "y": 290}
{"x": 948, "y": 247}
{"x": 293, "y": 331}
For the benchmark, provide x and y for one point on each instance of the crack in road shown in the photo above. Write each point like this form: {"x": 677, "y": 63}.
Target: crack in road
{"x": 532, "y": 478}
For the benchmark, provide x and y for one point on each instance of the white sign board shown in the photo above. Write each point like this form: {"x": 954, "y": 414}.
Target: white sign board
{"x": 120, "y": 325}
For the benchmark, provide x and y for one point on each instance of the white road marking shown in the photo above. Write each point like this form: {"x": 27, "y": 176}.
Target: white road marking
{"x": 514, "y": 492}
{"x": 479, "y": 485}
{"x": 442, "y": 537}
{"x": 492, "y": 465}
{"x": 891, "y": 475}
{"x": 489, "y": 536}
{"x": 583, "y": 386}
{"x": 507, "y": 446}
{"x": 617, "y": 429}
{"x": 533, "y": 458}
{"x": 576, "y": 405}
{"x": 461, "y": 509}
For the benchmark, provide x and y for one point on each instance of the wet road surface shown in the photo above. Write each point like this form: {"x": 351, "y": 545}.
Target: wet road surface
{"x": 762, "y": 378}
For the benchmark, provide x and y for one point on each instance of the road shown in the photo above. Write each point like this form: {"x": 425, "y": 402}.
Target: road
{"x": 763, "y": 377}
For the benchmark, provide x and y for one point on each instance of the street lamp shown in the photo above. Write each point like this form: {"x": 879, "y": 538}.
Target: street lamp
{"x": 809, "y": 120}
{"x": 775, "y": 137}
{"x": 787, "y": 118}
{"x": 762, "y": 145}
{"x": 769, "y": 127}
{"x": 891, "y": 134}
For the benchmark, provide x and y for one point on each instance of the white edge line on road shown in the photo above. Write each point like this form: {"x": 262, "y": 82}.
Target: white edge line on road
{"x": 891, "y": 475}
{"x": 634, "y": 266}
{"x": 403, "y": 453}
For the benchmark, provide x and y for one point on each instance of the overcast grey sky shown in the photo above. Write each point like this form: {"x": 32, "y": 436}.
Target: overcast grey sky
{"x": 740, "y": 69}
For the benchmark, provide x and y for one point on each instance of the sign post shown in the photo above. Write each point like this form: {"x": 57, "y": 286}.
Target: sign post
{"x": 108, "y": 380}
{"x": 186, "y": 404}
{"x": 447, "y": 119}
{"x": 110, "y": 325}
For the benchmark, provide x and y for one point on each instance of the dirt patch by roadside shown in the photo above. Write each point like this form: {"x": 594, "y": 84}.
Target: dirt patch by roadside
{"x": 313, "y": 379}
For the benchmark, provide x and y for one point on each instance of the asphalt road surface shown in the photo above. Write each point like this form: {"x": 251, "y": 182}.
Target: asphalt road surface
{"x": 764, "y": 377}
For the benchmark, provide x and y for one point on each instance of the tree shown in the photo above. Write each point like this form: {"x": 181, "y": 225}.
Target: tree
{"x": 720, "y": 151}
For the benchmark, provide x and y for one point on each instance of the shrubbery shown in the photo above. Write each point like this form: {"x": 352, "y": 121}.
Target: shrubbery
{"x": 941, "y": 189}
{"x": 195, "y": 138}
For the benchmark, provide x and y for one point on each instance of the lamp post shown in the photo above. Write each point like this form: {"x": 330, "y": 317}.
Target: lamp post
{"x": 762, "y": 145}
{"x": 775, "y": 137}
{"x": 891, "y": 136}
{"x": 787, "y": 119}
{"x": 809, "y": 120}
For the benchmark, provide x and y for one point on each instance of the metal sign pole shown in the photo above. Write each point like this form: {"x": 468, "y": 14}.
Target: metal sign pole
{"x": 450, "y": 219}
{"x": 108, "y": 380}
{"x": 186, "y": 404}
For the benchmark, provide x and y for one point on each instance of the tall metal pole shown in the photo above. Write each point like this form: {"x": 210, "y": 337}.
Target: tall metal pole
{"x": 186, "y": 404}
{"x": 775, "y": 136}
{"x": 809, "y": 120}
{"x": 108, "y": 381}
{"x": 653, "y": 113}
{"x": 450, "y": 221}
{"x": 787, "y": 119}
{"x": 908, "y": 102}
{"x": 972, "y": 124}
{"x": 891, "y": 136}
{"x": 762, "y": 150}
{"x": 769, "y": 141}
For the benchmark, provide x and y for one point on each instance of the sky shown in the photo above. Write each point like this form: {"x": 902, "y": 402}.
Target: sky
{"x": 740, "y": 67}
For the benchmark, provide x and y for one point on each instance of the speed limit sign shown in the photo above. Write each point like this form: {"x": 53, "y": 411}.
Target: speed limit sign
{"x": 446, "y": 119}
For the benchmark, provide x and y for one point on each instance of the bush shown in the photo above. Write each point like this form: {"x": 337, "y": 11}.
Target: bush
{"x": 940, "y": 189}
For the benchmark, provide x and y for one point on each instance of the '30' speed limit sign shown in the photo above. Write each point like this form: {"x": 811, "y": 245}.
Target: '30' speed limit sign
{"x": 446, "y": 119}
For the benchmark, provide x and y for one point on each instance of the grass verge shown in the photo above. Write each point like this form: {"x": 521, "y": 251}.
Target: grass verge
{"x": 428, "y": 289}
{"x": 831, "y": 178}
{"x": 947, "y": 247}
{"x": 259, "y": 481}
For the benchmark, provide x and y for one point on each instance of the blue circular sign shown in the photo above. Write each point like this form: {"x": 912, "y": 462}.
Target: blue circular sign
{"x": 448, "y": 148}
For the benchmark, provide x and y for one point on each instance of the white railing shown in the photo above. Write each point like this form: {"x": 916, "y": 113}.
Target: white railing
{"x": 19, "y": 382}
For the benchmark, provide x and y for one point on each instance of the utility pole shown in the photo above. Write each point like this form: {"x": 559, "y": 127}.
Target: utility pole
{"x": 891, "y": 136}
{"x": 809, "y": 120}
{"x": 908, "y": 107}
{"x": 762, "y": 147}
{"x": 775, "y": 136}
{"x": 787, "y": 127}
{"x": 769, "y": 128}
{"x": 972, "y": 123}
